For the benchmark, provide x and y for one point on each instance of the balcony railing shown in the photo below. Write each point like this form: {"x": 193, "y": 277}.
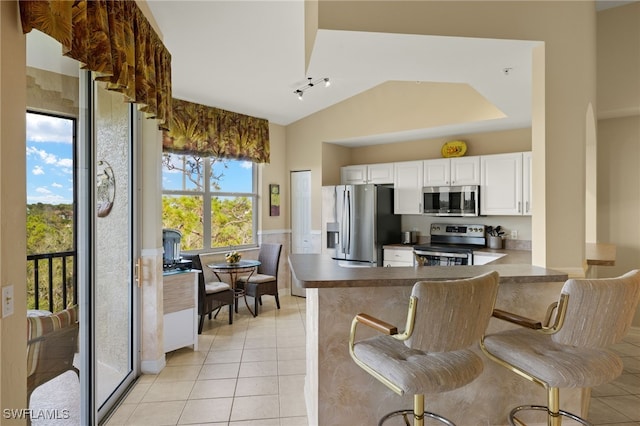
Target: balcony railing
{"x": 51, "y": 281}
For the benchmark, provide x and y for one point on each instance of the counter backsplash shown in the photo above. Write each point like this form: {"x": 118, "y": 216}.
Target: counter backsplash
{"x": 509, "y": 244}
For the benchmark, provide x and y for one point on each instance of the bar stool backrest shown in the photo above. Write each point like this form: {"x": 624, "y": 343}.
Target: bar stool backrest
{"x": 452, "y": 315}
{"x": 599, "y": 311}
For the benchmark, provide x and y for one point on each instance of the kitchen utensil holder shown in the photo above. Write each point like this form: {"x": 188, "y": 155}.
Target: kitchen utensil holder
{"x": 494, "y": 242}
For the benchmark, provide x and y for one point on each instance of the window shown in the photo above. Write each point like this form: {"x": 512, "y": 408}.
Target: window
{"x": 211, "y": 201}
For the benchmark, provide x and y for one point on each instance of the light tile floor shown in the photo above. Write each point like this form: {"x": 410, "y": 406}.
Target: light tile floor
{"x": 618, "y": 403}
{"x": 251, "y": 373}
{"x": 248, "y": 373}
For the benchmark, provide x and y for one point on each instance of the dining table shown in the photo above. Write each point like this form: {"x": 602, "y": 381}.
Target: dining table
{"x": 234, "y": 270}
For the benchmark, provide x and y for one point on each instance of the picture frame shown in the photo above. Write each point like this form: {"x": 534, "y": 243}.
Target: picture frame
{"x": 274, "y": 199}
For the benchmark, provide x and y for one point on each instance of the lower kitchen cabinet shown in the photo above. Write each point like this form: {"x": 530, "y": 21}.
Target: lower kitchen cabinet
{"x": 397, "y": 257}
{"x": 180, "y": 297}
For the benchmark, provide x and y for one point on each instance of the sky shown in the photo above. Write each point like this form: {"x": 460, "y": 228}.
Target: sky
{"x": 49, "y": 159}
{"x": 236, "y": 177}
{"x": 50, "y": 164}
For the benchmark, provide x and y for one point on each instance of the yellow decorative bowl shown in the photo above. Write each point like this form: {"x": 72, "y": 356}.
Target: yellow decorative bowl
{"x": 454, "y": 149}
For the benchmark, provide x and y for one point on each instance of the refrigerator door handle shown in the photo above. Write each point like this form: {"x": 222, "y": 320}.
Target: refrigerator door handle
{"x": 343, "y": 229}
{"x": 348, "y": 222}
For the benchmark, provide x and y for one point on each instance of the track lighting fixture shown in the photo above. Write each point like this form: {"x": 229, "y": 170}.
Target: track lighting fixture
{"x": 300, "y": 91}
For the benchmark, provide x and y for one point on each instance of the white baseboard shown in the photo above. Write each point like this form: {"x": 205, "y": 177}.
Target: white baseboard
{"x": 153, "y": 366}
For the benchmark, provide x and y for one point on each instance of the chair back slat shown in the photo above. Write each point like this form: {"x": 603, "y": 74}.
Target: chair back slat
{"x": 599, "y": 311}
{"x": 452, "y": 315}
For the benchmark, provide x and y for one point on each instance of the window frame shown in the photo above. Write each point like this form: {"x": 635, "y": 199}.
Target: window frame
{"x": 207, "y": 196}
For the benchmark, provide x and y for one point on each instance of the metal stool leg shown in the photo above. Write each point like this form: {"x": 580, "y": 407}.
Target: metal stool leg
{"x": 554, "y": 413}
{"x": 417, "y": 413}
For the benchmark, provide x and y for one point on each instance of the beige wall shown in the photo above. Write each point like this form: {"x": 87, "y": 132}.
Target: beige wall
{"x": 558, "y": 137}
{"x": 619, "y": 137}
{"x": 13, "y": 202}
{"x": 477, "y": 144}
{"x": 275, "y": 172}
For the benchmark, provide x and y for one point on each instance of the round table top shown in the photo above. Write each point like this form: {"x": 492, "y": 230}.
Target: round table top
{"x": 234, "y": 265}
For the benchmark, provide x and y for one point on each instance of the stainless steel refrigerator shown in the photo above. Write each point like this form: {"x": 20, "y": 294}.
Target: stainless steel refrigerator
{"x": 357, "y": 220}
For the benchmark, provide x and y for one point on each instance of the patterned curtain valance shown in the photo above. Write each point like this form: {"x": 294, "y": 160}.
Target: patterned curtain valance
{"x": 208, "y": 131}
{"x": 113, "y": 39}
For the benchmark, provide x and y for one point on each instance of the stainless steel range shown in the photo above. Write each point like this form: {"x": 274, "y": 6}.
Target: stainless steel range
{"x": 450, "y": 245}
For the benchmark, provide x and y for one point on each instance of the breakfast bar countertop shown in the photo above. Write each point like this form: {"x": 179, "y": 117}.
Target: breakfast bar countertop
{"x": 320, "y": 271}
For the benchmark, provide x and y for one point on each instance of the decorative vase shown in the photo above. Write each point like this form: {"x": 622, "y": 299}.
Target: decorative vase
{"x": 233, "y": 257}
{"x": 494, "y": 242}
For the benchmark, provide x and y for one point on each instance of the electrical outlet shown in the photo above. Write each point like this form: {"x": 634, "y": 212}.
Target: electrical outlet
{"x": 514, "y": 234}
{"x": 7, "y": 301}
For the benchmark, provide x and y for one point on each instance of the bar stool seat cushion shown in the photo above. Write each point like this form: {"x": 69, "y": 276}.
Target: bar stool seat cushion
{"x": 216, "y": 287}
{"x": 258, "y": 278}
{"x": 558, "y": 365}
{"x": 418, "y": 372}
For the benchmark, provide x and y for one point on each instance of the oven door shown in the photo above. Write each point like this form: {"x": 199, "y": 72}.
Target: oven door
{"x": 442, "y": 258}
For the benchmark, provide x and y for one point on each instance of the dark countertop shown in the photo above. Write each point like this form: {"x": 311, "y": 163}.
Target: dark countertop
{"x": 320, "y": 271}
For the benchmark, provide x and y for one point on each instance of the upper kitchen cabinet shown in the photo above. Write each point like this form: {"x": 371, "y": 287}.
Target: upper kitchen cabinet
{"x": 407, "y": 182}
{"x": 452, "y": 171}
{"x": 504, "y": 184}
{"x": 367, "y": 173}
{"x": 527, "y": 187}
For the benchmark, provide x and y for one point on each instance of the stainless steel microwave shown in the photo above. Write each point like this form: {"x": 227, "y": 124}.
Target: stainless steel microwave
{"x": 451, "y": 200}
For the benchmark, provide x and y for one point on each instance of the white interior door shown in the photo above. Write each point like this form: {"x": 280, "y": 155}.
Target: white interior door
{"x": 301, "y": 236}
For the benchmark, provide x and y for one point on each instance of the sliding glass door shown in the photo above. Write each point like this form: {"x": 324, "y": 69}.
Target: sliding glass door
{"x": 113, "y": 244}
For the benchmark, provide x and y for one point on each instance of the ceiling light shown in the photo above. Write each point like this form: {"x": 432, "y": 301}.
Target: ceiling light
{"x": 311, "y": 83}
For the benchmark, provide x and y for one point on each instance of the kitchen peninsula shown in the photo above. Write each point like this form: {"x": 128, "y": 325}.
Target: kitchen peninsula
{"x": 338, "y": 392}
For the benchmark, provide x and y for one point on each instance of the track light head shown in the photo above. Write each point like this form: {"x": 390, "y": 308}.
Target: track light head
{"x": 311, "y": 84}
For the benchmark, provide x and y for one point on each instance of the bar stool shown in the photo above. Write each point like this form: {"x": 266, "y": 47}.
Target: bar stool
{"x": 569, "y": 352}
{"x": 433, "y": 354}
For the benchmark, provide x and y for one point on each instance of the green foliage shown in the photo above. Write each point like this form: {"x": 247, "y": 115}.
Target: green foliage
{"x": 231, "y": 220}
{"x": 49, "y": 230}
{"x": 184, "y": 213}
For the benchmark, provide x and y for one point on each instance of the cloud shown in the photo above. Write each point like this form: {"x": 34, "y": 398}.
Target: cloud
{"x": 37, "y": 170}
{"x": 45, "y": 128}
{"x": 43, "y": 190}
{"x": 48, "y": 199}
{"x": 246, "y": 164}
{"x": 66, "y": 164}
{"x": 57, "y": 185}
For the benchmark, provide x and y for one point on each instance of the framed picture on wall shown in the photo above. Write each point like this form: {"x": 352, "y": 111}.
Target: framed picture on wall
{"x": 274, "y": 199}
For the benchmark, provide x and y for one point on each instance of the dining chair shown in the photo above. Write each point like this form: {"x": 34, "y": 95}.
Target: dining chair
{"x": 568, "y": 349}
{"x": 265, "y": 281}
{"x": 212, "y": 294}
{"x": 434, "y": 353}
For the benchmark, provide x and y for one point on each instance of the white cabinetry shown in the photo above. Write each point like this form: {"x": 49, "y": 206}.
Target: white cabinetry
{"x": 367, "y": 173}
{"x": 180, "y": 301}
{"x": 502, "y": 189}
{"x": 397, "y": 257}
{"x": 527, "y": 193}
{"x": 407, "y": 185}
{"x": 351, "y": 175}
{"x": 452, "y": 171}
